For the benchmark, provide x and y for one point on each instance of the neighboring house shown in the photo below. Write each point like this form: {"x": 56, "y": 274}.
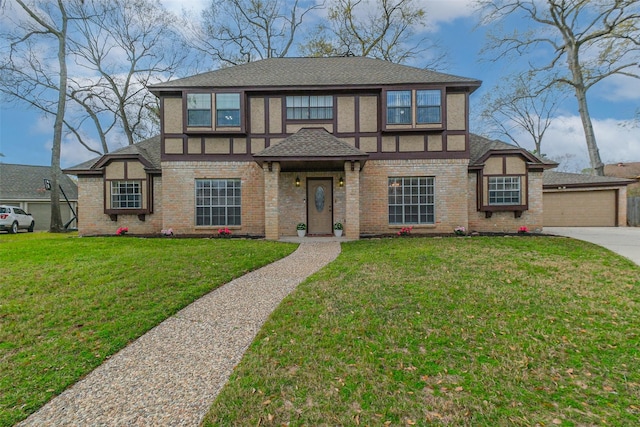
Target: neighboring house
{"x": 23, "y": 186}
{"x": 580, "y": 200}
{"x": 630, "y": 170}
{"x": 263, "y": 146}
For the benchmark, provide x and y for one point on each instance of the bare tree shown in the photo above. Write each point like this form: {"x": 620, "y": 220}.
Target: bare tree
{"x": 35, "y": 71}
{"x": 515, "y": 105}
{"x": 590, "y": 40}
{"x": 239, "y": 31}
{"x": 124, "y": 45}
{"x": 384, "y": 29}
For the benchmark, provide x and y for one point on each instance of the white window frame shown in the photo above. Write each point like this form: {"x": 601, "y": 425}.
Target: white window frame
{"x": 218, "y": 202}
{"x": 412, "y": 200}
{"x": 505, "y": 190}
{"x": 130, "y": 198}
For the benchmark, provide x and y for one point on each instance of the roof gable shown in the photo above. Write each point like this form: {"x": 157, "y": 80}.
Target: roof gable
{"x": 480, "y": 148}
{"x": 334, "y": 71}
{"x": 148, "y": 151}
{"x": 311, "y": 143}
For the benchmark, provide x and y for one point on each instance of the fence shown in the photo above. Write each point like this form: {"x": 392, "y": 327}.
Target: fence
{"x": 633, "y": 211}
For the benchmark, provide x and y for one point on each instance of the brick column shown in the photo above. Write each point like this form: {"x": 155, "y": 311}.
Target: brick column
{"x": 271, "y": 205}
{"x": 352, "y": 189}
{"x": 622, "y": 206}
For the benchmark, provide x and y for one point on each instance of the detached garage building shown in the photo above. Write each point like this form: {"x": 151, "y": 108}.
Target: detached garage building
{"x": 580, "y": 200}
{"x": 23, "y": 186}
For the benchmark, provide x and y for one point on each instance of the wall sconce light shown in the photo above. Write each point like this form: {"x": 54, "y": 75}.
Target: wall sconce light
{"x": 341, "y": 182}
{"x": 297, "y": 181}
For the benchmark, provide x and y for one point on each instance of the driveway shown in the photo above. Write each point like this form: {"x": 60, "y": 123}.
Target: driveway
{"x": 621, "y": 240}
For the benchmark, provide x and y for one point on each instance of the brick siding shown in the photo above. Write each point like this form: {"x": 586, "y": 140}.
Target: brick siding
{"x": 93, "y": 221}
{"x": 450, "y": 193}
{"x": 178, "y": 199}
{"x": 506, "y": 222}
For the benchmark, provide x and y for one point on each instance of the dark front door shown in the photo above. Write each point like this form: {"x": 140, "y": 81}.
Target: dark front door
{"x": 320, "y": 206}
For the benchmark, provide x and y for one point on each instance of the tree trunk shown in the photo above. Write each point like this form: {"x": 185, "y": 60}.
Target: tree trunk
{"x": 578, "y": 83}
{"x": 597, "y": 166}
{"x": 56, "y": 218}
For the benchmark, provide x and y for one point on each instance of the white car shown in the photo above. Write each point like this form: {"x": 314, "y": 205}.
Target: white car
{"x": 13, "y": 218}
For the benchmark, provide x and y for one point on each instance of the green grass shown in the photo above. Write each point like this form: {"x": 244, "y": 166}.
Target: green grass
{"x": 67, "y": 303}
{"x": 449, "y": 331}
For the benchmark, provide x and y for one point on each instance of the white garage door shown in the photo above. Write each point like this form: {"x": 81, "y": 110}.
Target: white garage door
{"x": 595, "y": 208}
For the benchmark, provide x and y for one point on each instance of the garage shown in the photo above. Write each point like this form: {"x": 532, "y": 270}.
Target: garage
{"x": 579, "y": 200}
{"x": 580, "y": 208}
{"x": 24, "y": 186}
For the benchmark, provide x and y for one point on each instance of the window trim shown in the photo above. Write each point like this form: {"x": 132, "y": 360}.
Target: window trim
{"x": 126, "y": 182}
{"x": 309, "y": 108}
{"x": 239, "y": 110}
{"x": 188, "y": 118}
{"x": 400, "y": 108}
{"x": 428, "y": 106}
{"x": 413, "y": 124}
{"x": 211, "y": 206}
{"x": 503, "y": 191}
{"x": 430, "y": 193}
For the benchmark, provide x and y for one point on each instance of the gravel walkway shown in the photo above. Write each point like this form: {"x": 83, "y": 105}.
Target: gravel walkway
{"x": 171, "y": 375}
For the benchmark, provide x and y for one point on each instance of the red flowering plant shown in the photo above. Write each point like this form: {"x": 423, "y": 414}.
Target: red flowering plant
{"x": 224, "y": 232}
{"x": 122, "y": 231}
{"x": 523, "y": 229}
{"x": 405, "y": 231}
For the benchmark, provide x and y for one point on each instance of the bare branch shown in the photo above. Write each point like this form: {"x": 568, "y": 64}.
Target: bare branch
{"x": 591, "y": 40}
{"x": 385, "y": 29}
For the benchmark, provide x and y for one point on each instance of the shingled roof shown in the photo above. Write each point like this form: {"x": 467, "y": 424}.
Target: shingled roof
{"x": 479, "y": 146}
{"x": 149, "y": 149}
{"x": 552, "y": 179}
{"x": 311, "y": 142}
{"x": 334, "y": 71}
{"x": 630, "y": 170}
{"x": 26, "y": 182}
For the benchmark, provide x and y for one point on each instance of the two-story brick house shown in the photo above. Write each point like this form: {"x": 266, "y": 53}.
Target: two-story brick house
{"x": 263, "y": 146}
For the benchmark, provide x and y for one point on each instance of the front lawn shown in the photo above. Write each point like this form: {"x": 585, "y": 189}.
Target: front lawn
{"x": 496, "y": 331}
{"x": 67, "y": 303}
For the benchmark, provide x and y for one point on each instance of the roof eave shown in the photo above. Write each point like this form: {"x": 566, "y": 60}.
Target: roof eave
{"x": 77, "y": 172}
{"x": 264, "y": 159}
{"x": 561, "y": 186}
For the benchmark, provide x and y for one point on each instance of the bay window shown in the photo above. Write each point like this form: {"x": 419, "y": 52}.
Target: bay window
{"x": 126, "y": 195}
{"x": 504, "y": 190}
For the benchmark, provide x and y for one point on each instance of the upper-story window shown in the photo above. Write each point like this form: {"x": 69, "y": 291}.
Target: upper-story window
{"x": 199, "y": 109}
{"x": 310, "y": 107}
{"x": 399, "y": 107}
{"x": 428, "y": 103}
{"x": 228, "y": 109}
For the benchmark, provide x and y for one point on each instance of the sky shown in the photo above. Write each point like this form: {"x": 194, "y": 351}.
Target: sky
{"x": 25, "y": 135}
